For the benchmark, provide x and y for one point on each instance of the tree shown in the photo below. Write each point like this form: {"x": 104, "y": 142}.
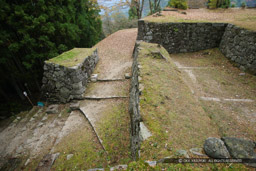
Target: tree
{"x": 154, "y": 6}
{"x": 36, "y": 30}
{"x": 180, "y": 4}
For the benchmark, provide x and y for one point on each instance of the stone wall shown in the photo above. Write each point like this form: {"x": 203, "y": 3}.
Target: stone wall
{"x": 62, "y": 84}
{"x": 182, "y": 37}
{"x": 239, "y": 46}
{"x": 134, "y": 107}
{"x": 197, "y": 3}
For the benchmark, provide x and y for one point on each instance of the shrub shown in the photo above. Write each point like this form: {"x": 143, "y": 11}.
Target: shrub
{"x": 243, "y": 5}
{"x": 180, "y": 4}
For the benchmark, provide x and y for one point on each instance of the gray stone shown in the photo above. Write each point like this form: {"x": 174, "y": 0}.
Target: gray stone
{"x": 127, "y": 75}
{"x": 69, "y": 156}
{"x": 151, "y": 163}
{"x": 144, "y": 132}
{"x": 64, "y": 92}
{"x": 94, "y": 77}
{"x": 119, "y": 167}
{"x": 197, "y": 151}
{"x": 215, "y": 148}
{"x": 182, "y": 153}
{"x": 74, "y": 106}
{"x": 52, "y": 109}
{"x": 239, "y": 148}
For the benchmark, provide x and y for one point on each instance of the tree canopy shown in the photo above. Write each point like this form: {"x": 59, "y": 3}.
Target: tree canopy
{"x": 32, "y": 31}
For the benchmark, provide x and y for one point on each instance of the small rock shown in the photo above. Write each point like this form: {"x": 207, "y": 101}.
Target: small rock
{"x": 69, "y": 156}
{"x": 127, "y": 75}
{"x": 27, "y": 162}
{"x": 239, "y": 148}
{"x": 18, "y": 118}
{"x": 242, "y": 74}
{"x": 151, "y": 163}
{"x": 94, "y": 77}
{"x": 52, "y": 109}
{"x": 119, "y": 167}
{"x": 74, "y": 106}
{"x": 44, "y": 118}
{"x": 197, "y": 151}
{"x": 215, "y": 148}
{"x": 40, "y": 124}
{"x": 182, "y": 153}
{"x": 32, "y": 119}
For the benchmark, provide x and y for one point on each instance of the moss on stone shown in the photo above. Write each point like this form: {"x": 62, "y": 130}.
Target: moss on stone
{"x": 72, "y": 57}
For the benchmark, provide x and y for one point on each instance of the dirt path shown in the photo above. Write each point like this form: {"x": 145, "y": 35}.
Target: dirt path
{"x": 115, "y": 60}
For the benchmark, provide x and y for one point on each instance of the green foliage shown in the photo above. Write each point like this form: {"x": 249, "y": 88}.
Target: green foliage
{"x": 180, "y": 4}
{"x": 36, "y": 30}
{"x": 213, "y": 4}
{"x": 133, "y": 13}
{"x": 117, "y": 21}
{"x": 243, "y": 5}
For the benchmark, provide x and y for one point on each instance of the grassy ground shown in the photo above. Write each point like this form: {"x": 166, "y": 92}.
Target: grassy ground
{"x": 72, "y": 57}
{"x": 241, "y": 17}
{"x": 88, "y": 153}
{"x": 176, "y": 117}
{"x": 222, "y": 80}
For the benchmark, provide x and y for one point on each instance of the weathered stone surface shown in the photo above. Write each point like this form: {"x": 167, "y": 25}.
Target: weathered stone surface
{"x": 239, "y": 148}
{"x": 62, "y": 84}
{"x": 53, "y": 109}
{"x": 215, "y": 148}
{"x": 239, "y": 46}
{"x": 74, "y": 106}
{"x": 127, "y": 75}
{"x": 182, "y": 153}
{"x": 197, "y": 151}
{"x": 69, "y": 156}
{"x": 134, "y": 107}
{"x": 182, "y": 37}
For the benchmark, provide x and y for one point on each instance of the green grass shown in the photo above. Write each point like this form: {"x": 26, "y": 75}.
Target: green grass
{"x": 173, "y": 115}
{"x": 72, "y": 57}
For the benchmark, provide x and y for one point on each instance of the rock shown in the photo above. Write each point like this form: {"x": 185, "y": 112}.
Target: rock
{"x": 242, "y": 74}
{"x": 127, "y": 75}
{"x": 151, "y": 163}
{"x": 52, "y": 109}
{"x": 239, "y": 148}
{"x": 144, "y": 132}
{"x": 69, "y": 156}
{"x": 40, "y": 124}
{"x": 182, "y": 153}
{"x": 197, "y": 151}
{"x": 44, "y": 118}
{"x": 119, "y": 167}
{"x": 215, "y": 148}
{"x": 74, "y": 106}
{"x": 27, "y": 162}
{"x": 94, "y": 77}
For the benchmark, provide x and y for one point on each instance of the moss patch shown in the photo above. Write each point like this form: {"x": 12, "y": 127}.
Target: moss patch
{"x": 72, "y": 57}
{"x": 168, "y": 108}
{"x": 114, "y": 131}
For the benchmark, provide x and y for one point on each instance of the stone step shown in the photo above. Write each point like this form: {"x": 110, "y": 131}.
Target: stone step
{"x": 103, "y": 98}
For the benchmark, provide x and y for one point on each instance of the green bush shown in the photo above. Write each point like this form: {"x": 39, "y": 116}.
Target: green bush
{"x": 180, "y": 4}
{"x": 212, "y": 4}
{"x": 243, "y": 5}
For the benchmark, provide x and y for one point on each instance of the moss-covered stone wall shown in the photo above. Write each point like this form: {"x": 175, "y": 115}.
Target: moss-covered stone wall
{"x": 62, "y": 83}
